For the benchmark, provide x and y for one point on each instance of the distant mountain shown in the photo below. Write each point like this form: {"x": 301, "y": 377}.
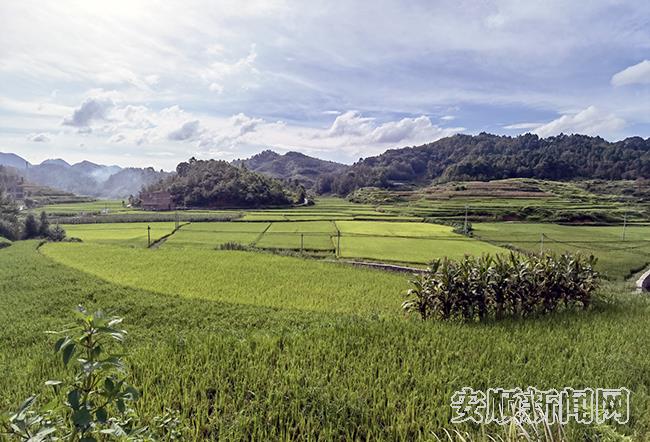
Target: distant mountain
{"x": 130, "y": 181}
{"x": 13, "y": 160}
{"x": 84, "y": 178}
{"x": 490, "y": 157}
{"x": 292, "y": 166}
{"x": 55, "y": 162}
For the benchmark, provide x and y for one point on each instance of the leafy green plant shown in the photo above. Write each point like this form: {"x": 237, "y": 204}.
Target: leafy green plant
{"x": 96, "y": 402}
{"x": 476, "y": 288}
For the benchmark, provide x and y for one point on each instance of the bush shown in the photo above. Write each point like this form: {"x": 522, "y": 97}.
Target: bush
{"x": 95, "y": 402}
{"x": 30, "y": 230}
{"x": 232, "y": 246}
{"x": 8, "y": 230}
{"x": 494, "y": 287}
{"x": 56, "y": 233}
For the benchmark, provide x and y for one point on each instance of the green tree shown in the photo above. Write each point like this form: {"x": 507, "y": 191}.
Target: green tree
{"x": 44, "y": 227}
{"x": 31, "y": 229}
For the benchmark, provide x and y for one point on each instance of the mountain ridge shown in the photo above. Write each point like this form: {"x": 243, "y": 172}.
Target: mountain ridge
{"x": 292, "y": 166}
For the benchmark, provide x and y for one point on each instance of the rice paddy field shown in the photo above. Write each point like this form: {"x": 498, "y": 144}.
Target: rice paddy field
{"x": 619, "y": 256}
{"x": 254, "y": 346}
{"x": 249, "y": 345}
{"x": 130, "y": 234}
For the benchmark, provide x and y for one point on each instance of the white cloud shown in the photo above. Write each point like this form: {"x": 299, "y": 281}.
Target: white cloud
{"x": 188, "y": 131}
{"x": 92, "y": 109}
{"x": 589, "y": 121}
{"x": 245, "y": 123}
{"x": 350, "y": 123}
{"x": 448, "y": 118}
{"x": 241, "y": 72}
{"x": 117, "y": 138}
{"x": 398, "y": 131}
{"x": 38, "y": 138}
{"x": 636, "y": 74}
{"x": 523, "y": 126}
{"x": 354, "y": 129}
{"x": 216, "y": 87}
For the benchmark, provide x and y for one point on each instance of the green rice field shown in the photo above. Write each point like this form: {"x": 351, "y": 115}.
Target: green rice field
{"x": 252, "y": 345}
{"x": 211, "y": 235}
{"x": 132, "y": 234}
{"x": 618, "y": 257}
{"x": 299, "y": 349}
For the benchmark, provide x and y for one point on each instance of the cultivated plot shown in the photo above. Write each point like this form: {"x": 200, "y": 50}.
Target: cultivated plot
{"x": 417, "y": 243}
{"x": 619, "y": 254}
{"x": 260, "y": 279}
{"x": 307, "y": 235}
{"x": 129, "y": 234}
{"x": 211, "y": 235}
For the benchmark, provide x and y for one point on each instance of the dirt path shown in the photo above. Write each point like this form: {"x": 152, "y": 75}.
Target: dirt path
{"x": 379, "y": 266}
{"x": 160, "y": 241}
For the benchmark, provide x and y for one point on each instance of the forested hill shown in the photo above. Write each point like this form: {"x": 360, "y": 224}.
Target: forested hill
{"x": 490, "y": 157}
{"x": 292, "y": 166}
{"x": 217, "y": 184}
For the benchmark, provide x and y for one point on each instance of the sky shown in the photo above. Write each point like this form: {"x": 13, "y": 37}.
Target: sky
{"x": 152, "y": 83}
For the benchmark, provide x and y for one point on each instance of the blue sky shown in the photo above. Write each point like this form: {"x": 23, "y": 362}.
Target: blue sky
{"x": 142, "y": 82}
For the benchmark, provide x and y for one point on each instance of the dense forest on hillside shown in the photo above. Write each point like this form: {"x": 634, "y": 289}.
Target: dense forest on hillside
{"x": 214, "y": 184}
{"x": 293, "y": 166}
{"x": 491, "y": 157}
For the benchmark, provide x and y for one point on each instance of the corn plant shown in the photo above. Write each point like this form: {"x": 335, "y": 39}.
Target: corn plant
{"x": 494, "y": 287}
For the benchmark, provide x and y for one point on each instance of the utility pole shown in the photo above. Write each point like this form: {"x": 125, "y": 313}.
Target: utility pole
{"x": 465, "y": 225}
{"x": 148, "y": 236}
{"x": 338, "y": 243}
{"x": 624, "y": 224}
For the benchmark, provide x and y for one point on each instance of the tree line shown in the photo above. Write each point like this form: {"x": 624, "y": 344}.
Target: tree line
{"x": 215, "y": 183}
{"x": 492, "y": 157}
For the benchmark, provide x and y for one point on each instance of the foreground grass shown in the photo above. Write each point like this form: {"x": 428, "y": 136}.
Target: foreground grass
{"x": 247, "y": 371}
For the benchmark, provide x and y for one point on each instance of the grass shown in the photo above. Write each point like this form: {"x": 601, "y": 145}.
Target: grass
{"x": 132, "y": 234}
{"x": 210, "y": 235}
{"x": 242, "y": 360}
{"x": 618, "y": 258}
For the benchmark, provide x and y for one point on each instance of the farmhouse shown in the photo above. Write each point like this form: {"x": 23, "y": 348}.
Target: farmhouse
{"x": 157, "y": 200}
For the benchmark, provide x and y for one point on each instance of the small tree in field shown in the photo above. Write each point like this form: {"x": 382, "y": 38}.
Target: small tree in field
{"x": 31, "y": 227}
{"x": 44, "y": 227}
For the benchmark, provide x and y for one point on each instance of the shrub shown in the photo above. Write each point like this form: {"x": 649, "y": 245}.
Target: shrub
{"x": 95, "y": 402}
{"x": 30, "y": 229}
{"x": 231, "y": 245}
{"x": 476, "y": 288}
{"x": 56, "y": 233}
{"x": 9, "y": 230}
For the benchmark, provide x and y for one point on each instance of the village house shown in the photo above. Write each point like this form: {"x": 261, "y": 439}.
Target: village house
{"x": 157, "y": 200}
